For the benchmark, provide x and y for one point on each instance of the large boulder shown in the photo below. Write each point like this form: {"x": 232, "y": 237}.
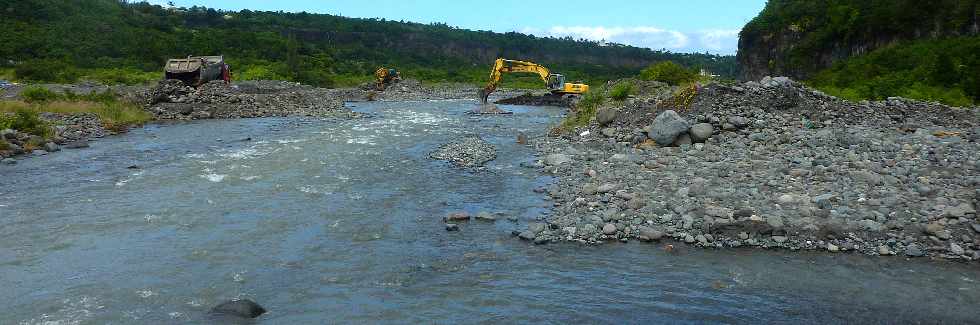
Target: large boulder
{"x": 667, "y": 127}
{"x": 605, "y": 116}
{"x": 701, "y": 132}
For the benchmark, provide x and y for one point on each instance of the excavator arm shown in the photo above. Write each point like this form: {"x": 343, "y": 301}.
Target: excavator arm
{"x": 553, "y": 81}
{"x": 502, "y": 66}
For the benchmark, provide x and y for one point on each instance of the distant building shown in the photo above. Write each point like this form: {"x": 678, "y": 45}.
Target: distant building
{"x": 706, "y": 73}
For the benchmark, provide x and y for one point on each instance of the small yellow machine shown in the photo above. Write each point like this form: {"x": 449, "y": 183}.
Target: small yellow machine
{"x": 384, "y": 77}
{"x": 555, "y": 82}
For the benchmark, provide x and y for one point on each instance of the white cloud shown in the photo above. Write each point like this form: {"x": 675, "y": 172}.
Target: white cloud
{"x": 716, "y": 40}
{"x": 719, "y": 40}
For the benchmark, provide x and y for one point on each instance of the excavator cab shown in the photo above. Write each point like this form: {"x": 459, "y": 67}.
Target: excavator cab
{"x": 557, "y": 85}
{"x": 556, "y": 82}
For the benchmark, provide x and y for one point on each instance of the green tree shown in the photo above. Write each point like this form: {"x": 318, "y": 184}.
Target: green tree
{"x": 669, "y": 72}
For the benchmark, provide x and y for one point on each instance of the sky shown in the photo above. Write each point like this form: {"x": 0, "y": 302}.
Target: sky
{"x": 676, "y": 25}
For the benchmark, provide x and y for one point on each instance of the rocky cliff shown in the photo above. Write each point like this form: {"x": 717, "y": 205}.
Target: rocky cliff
{"x": 800, "y": 37}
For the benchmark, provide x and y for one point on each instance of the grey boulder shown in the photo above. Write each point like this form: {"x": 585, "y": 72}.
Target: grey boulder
{"x": 701, "y": 132}
{"x": 667, "y": 127}
{"x": 605, "y": 116}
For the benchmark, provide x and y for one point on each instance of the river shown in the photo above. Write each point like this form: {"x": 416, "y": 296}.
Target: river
{"x": 339, "y": 221}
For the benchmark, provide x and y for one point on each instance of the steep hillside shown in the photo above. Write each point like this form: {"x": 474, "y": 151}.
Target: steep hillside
{"x": 312, "y": 48}
{"x": 797, "y": 38}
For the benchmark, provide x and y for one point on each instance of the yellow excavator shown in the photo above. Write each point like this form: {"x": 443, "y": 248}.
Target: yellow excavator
{"x": 555, "y": 82}
{"x": 384, "y": 77}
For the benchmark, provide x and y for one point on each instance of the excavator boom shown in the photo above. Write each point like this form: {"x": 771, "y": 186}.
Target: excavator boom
{"x": 555, "y": 82}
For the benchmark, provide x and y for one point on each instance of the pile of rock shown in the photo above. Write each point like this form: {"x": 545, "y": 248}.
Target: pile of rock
{"x": 782, "y": 166}
{"x": 472, "y": 151}
{"x": 70, "y": 131}
{"x": 173, "y": 100}
{"x": 530, "y": 99}
{"x": 75, "y": 127}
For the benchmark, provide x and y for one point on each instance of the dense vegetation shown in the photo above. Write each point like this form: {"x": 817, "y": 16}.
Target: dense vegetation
{"x": 819, "y": 26}
{"x": 115, "y": 41}
{"x": 946, "y": 70}
{"x": 870, "y": 49}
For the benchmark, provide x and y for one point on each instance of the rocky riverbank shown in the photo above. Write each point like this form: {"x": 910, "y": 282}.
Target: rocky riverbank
{"x": 70, "y": 131}
{"x": 172, "y": 100}
{"x": 771, "y": 165}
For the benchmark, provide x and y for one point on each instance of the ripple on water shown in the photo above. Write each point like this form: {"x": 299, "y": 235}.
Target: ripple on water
{"x": 216, "y": 178}
{"x": 72, "y": 312}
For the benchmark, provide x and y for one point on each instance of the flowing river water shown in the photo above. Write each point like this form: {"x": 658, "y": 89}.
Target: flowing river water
{"x": 339, "y": 221}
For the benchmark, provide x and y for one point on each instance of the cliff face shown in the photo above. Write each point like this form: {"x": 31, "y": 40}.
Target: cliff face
{"x": 797, "y": 38}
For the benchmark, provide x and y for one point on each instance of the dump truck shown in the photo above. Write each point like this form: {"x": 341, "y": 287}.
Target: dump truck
{"x": 198, "y": 70}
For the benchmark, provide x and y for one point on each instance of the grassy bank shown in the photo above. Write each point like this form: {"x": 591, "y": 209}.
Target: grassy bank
{"x": 116, "y": 115}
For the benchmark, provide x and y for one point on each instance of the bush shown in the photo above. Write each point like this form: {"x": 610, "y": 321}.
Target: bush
{"x": 118, "y": 116}
{"x": 46, "y": 71}
{"x": 683, "y": 98}
{"x": 260, "y": 72}
{"x": 28, "y": 121}
{"x": 38, "y": 94}
{"x": 123, "y": 76}
{"x": 669, "y": 72}
{"x": 4, "y": 145}
{"x": 585, "y": 109}
{"x": 6, "y": 121}
{"x": 622, "y": 91}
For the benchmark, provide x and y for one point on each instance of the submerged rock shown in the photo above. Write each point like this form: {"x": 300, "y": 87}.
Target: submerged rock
{"x": 243, "y": 308}
{"x": 557, "y": 159}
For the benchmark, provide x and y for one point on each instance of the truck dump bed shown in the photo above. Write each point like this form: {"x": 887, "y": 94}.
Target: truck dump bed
{"x": 196, "y": 70}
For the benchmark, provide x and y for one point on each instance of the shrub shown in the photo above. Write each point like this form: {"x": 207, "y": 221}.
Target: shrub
{"x": 585, "y": 110}
{"x": 118, "y": 116}
{"x": 669, "y": 72}
{"x": 683, "y": 98}
{"x": 46, "y": 71}
{"x": 6, "y": 121}
{"x": 124, "y": 76}
{"x": 28, "y": 121}
{"x": 260, "y": 72}
{"x": 38, "y": 94}
{"x": 622, "y": 91}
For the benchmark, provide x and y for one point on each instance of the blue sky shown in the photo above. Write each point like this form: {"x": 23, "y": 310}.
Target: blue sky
{"x": 677, "y": 25}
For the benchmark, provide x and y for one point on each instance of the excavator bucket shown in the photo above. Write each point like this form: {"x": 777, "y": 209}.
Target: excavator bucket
{"x": 484, "y": 96}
